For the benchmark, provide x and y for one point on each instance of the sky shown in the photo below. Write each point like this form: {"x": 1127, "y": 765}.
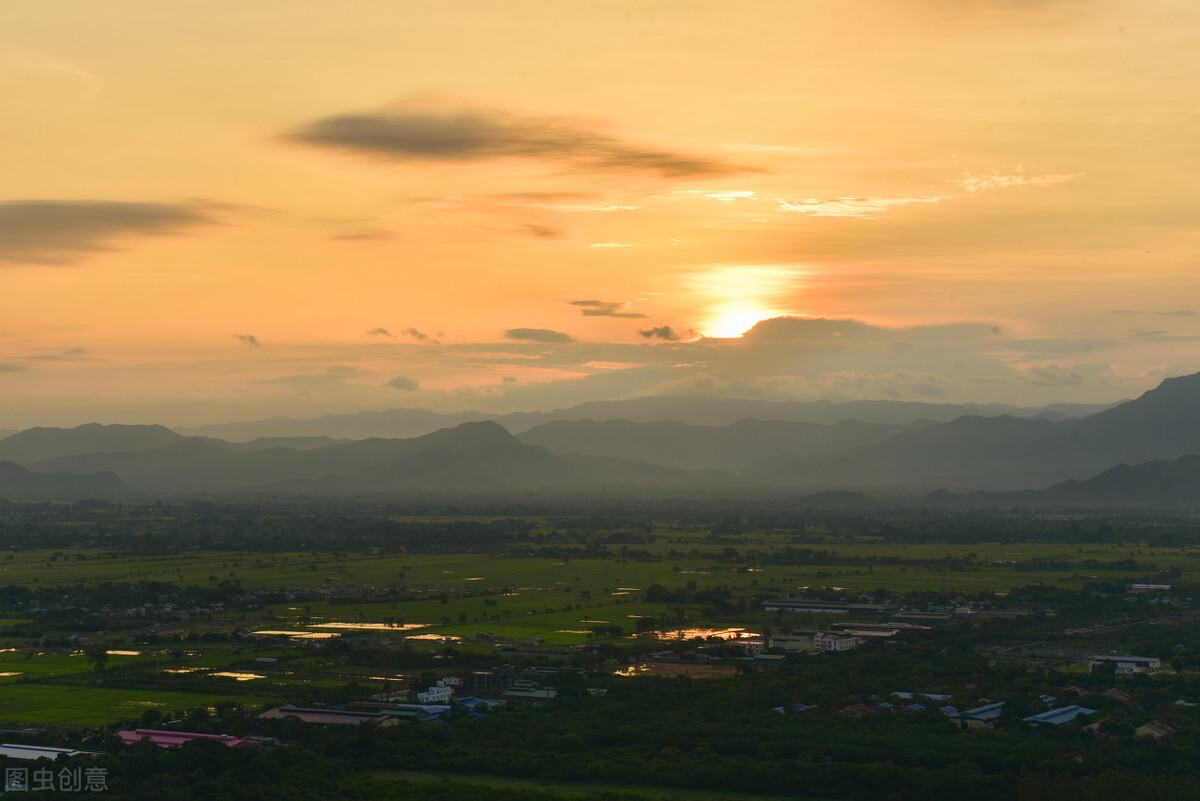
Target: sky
{"x": 224, "y": 210}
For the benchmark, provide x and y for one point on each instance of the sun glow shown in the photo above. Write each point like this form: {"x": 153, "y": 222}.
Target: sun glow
{"x": 735, "y": 319}
{"x": 738, "y": 297}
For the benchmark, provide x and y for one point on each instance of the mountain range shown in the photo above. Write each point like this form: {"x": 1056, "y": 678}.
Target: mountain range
{"x": 1143, "y": 452}
{"x": 690, "y": 410}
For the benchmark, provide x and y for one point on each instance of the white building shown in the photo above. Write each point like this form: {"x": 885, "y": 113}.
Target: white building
{"x": 437, "y": 694}
{"x": 833, "y": 642}
{"x": 1126, "y": 664}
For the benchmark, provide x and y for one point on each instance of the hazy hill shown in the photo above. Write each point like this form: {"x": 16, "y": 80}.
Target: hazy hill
{"x": 43, "y": 444}
{"x": 18, "y": 484}
{"x": 698, "y": 411}
{"x": 688, "y": 446}
{"x": 1010, "y": 453}
{"x": 1160, "y": 484}
{"x": 469, "y": 458}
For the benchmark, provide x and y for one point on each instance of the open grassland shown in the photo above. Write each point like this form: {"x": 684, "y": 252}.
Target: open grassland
{"x": 70, "y": 705}
{"x": 996, "y": 566}
{"x": 583, "y": 790}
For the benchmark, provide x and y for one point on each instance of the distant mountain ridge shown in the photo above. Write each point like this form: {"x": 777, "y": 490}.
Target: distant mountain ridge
{"x": 17, "y": 483}
{"x": 1010, "y": 453}
{"x": 689, "y": 410}
{"x": 1002, "y": 459}
{"x": 1160, "y": 484}
{"x": 469, "y": 458}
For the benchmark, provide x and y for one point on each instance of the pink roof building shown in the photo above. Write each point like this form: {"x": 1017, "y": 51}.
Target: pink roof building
{"x": 174, "y": 739}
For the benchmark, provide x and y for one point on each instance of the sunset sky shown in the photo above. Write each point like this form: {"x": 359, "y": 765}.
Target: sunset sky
{"x": 221, "y": 210}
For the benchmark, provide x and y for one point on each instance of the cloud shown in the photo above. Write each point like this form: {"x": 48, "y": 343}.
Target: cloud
{"x": 248, "y": 340}
{"x": 12, "y": 367}
{"x": 1154, "y": 313}
{"x": 601, "y": 308}
{"x": 1052, "y": 375}
{"x": 610, "y": 245}
{"x": 64, "y": 355}
{"x": 863, "y": 208}
{"x": 664, "y": 332}
{"x": 62, "y": 231}
{"x": 538, "y": 335}
{"x": 380, "y": 332}
{"x": 329, "y": 377}
{"x": 403, "y": 383}
{"x": 419, "y": 131}
{"x": 978, "y": 182}
{"x": 722, "y": 195}
{"x": 542, "y": 231}
{"x": 420, "y": 336}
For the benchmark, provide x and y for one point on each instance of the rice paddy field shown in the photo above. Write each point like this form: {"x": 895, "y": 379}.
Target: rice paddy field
{"x": 523, "y": 595}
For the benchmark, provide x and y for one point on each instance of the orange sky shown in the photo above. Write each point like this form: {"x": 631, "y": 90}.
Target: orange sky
{"x": 219, "y": 210}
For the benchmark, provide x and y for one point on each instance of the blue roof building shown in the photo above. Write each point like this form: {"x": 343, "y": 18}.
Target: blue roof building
{"x": 1057, "y": 717}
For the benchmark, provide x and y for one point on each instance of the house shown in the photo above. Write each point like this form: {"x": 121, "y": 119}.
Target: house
{"x": 476, "y": 706}
{"x": 18, "y": 751}
{"x": 816, "y": 607}
{"x": 1125, "y": 664}
{"x": 1120, "y": 696}
{"x": 856, "y": 711}
{"x": 1057, "y": 717}
{"x": 1155, "y": 729}
{"x": 437, "y": 694}
{"x": 879, "y": 630}
{"x": 175, "y": 739}
{"x": 528, "y": 690}
{"x": 1144, "y": 589}
{"x": 403, "y": 711}
{"x": 830, "y": 642}
{"x": 793, "y": 643}
{"x": 1047, "y": 699}
{"x": 329, "y": 717}
{"x": 981, "y": 717}
{"x": 1075, "y": 691}
{"x": 936, "y": 696}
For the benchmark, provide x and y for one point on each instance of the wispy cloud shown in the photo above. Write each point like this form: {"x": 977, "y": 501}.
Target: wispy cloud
{"x": 601, "y": 308}
{"x": 610, "y": 245}
{"x": 380, "y": 332}
{"x": 721, "y": 195}
{"x": 249, "y": 340}
{"x": 856, "y": 207}
{"x": 544, "y": 335}
{"x": 985, "y": 182}
{"x": 403, "y": 384}
{"x": 331, "y": 376}
{"x": 421, "y": 131}
{"x": 663, "y": 332}
{"x": 62, "y": 231}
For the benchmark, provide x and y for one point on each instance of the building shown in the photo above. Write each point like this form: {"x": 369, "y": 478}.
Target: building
{"x": 856, "y": 711}
{"x": 981, "y": 717}
{"x": 437, "y": 694}
{"x": 816, "y": 607}
{"x": 528, "y": 690}
{"x": 1120, "y": 696}
{"x": 831, "y": 642}
{"x": 878, "y": 629}
{"x": 1057, "y": 717}
{"x": 175, "y": 739}
{"x": 1155, "y": 729}
{"x": 1125, "y": 664}
{"x": 18, "y": 751}
{"x": 793, "y": 643}
{"x": 329, "y": 717}
{"x": 1144, "y": 589}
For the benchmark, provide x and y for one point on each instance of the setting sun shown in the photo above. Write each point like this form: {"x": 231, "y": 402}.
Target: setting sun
{"x": 735, "y": 319}
{"x": 740, "y": 296}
